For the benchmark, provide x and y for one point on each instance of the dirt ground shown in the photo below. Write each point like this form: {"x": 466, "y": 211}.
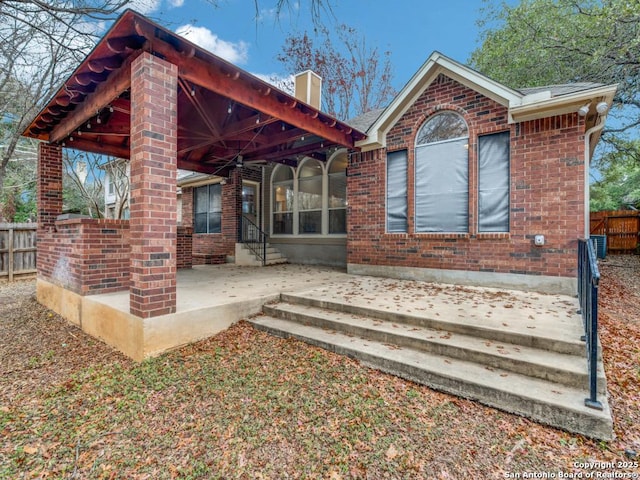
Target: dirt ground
{"x": 244, "y": 404}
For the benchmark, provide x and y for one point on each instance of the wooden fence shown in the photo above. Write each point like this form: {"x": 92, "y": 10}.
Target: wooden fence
{"x": 622, "y": 228}
{"x": 17, "y": 250}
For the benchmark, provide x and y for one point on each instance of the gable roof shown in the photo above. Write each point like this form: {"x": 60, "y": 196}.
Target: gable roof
{"x": 224, "y": 112}
{"x": 523, "y": 104}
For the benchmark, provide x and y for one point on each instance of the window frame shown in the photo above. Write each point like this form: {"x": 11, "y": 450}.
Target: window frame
{"x": 406, "y": 191}
{"x": 208, "y": 212}
{"x": 417, "y": 187}
{"x": 325, "y": 225}
{"x": 506, "y": 133}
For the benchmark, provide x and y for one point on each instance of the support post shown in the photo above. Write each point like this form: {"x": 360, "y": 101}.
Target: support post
{"x": 153, "y": 218}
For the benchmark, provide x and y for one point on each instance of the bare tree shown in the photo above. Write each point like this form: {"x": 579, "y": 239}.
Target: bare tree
{"x": 355, "y": 77}
{"x": 83, "y": 183}
{"x": 117, "y": 172}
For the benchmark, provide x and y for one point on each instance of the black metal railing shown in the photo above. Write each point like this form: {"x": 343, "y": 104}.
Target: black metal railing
{"x": 588, "y": 280}
{"x": 254, "y": 238}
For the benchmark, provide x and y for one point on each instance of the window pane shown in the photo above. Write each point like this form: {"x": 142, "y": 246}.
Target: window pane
{"x": 338, "y": 221}
{"x": 339, "y": 164}
{"x": 310, "y": 168}
{"x": 440, "y": 127}
{"x": 442, "y": 183}
{"x": 283, "y": 223}
{"x": 311, "y": 222}
{"x": 310, "y": 193}
{"x": 201, "y": 199}
{"x": 282, "y": 174}
{"x": 215, "y": 198}
{"x": 397, "y": 191}
{"x": 493, "y": 179}
{"x": 215, "y": 222}
{"x": 283, "y": 197}
{"x": 337, "y": 190}
{"x": 201, "y": 223}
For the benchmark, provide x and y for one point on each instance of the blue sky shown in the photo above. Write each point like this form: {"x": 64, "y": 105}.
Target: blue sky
{"x": 409, "y": 29}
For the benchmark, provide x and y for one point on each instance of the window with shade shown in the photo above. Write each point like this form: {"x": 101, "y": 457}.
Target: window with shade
{"x": 310, "y": 197}
{"x": 442, "y": 175}
{"x": 397, "y": 191}
{"x": 208, "y": 209}
{"x": 283, "y": 200}
{"x": 338, "y": 194}
{"x": 493, "y": 182}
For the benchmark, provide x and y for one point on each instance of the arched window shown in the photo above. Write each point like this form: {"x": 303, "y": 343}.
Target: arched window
{"x": 338, "y": 194}
{"x": 442, "y": 174}
{"x": 282, "y": 181}
{"x": 310, "y": 197}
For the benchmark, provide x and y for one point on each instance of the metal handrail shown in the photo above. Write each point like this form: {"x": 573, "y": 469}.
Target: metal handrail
{"x": 588, "y": 281}
{"x": 254, "y": 238}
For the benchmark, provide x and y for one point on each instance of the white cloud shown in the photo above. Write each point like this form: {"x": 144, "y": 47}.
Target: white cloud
{"x": 283, "y": 83}
{"x": 205, "y": 38}
{"x": 144, "y": 6}
{"x": 176, "y": 3}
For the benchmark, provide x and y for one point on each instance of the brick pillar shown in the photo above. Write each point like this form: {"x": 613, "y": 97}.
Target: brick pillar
{"x": 49, "y": 185}
{"x": 153, "y": 186}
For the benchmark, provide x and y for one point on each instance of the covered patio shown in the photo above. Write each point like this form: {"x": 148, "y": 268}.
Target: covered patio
{"x": 149, "y": 96}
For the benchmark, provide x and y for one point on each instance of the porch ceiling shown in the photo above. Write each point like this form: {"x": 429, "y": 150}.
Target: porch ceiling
{"x": 223, "y": 111}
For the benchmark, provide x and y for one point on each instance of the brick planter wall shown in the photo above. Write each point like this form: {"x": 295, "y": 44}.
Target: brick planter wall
{"x": 87, "y": 256}
{"x": 184, "y": 247}
{"x": 547, "y": 194}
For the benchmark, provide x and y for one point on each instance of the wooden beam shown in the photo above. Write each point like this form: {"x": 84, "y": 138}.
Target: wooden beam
{"x": 95, "y": 146}
{"x": 117, "y": 82}
{"x": 302, "y": 150}
{"x": 99, "y": 65}
{"x": 208, "y": 75}
{"x": 213, "y": 128}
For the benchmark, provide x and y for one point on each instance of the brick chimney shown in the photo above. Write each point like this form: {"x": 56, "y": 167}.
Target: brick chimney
{"x": 308, "y": 88}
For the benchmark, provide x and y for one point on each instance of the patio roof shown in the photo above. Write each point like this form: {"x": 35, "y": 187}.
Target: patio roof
{"x": 225, "y": 114}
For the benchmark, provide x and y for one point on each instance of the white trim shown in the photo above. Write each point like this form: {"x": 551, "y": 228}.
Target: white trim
{"x": 530, "y": 109}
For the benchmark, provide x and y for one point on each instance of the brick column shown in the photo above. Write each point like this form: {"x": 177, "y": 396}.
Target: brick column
{"x": 153, "y": 186}
{"x": 49, "y": 185}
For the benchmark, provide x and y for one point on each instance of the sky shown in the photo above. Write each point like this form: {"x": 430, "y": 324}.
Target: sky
{"x": 410, "y": 29}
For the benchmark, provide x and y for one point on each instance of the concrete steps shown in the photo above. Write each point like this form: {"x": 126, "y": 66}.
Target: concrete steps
{"x": 245, "y": 257}
{"x": 541, "y": 375}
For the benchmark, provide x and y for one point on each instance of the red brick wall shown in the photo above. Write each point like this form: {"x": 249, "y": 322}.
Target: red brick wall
{"x": 153, "y": 186}
{"x": 87, "y": 256}
{"x": 547, "y": 193}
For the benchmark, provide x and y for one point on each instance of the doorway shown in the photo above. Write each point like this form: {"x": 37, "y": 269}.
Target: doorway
{"x": 251, "y": 202}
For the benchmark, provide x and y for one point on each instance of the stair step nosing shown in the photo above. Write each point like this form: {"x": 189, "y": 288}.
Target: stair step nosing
{"x": 519, "y": 338}
{"x": 453, "y": 346}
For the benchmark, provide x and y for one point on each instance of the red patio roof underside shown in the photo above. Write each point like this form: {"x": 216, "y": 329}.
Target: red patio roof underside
{"x": 223, "y": 111}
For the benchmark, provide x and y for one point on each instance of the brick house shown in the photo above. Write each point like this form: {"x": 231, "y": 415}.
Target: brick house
{"x": 460, "y": 179}
{"x": 510, "y": 166}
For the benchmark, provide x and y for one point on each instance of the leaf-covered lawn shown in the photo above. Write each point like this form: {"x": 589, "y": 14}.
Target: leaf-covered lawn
{"x": 247, "y": 405}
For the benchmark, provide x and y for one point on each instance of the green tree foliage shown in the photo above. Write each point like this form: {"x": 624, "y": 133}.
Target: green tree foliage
{"x": 355, "y": 77}
{"x": 618, "y": 186}
{"x": 544, "y": 42}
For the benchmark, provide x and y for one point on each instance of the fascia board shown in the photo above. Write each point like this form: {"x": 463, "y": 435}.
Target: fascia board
{"x": 560, "y": 105}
